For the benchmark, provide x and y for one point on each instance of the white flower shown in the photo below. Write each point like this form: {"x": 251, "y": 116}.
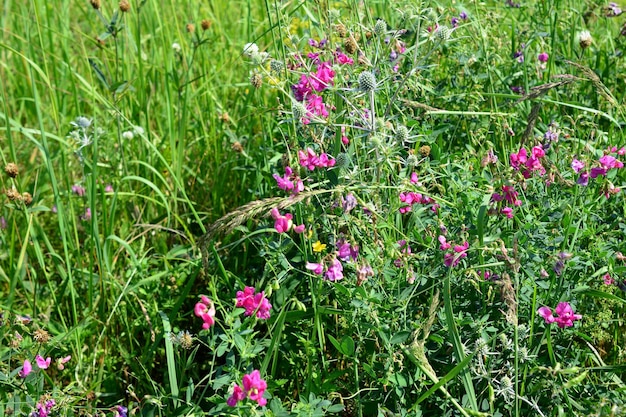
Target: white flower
{"x": 250, "y": 49}
{"x": 128, "y": 135}
{"x": 584, "y": 38}
{"x": 176, "y": 47}
{"x": 139, "y": 130}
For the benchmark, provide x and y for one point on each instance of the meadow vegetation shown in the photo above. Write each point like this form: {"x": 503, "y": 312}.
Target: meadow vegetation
{"x": 308, "y": 208}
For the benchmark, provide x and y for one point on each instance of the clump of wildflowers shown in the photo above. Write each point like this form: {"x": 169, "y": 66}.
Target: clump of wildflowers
{"x": 310, "y": 160}
{"x": 254, "y": 302}
{"x": 565, "y": 316}
{"x": 506, "y": 198}
{"x": 43, "y": 408}
{"x": 253, "y": 387}
{"x": 205, "y": 309}
{"x": 528, "y": 163}
{"x": 452, "y": 259}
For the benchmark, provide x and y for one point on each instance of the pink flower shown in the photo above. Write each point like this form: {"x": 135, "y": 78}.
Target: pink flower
{"x": 414, "y": 178}
{"x": 607, "y": 279}
{"x": 252, "y": 302}
{"x": 317, "y": 269}
{"x": 206, "y": 311}
{"x": 108, "y": 188}
{"x": 78, "y": 190}
{"x": 543, "y": 57}
{"x": 335, "y": 271}
{"x": 299, "y": 229}
{"x": 444, "y": 245}
{"x": 507, "y": 211}
{"x": 452, "y": 259}
{"x": 343, "y": 59}
{"x": 238, "y": 395}
{"x": 565, "y": 316}
{"x": 282, "y": 224}
{"x": 27, "y": 368}
{"x": 323, "y": 76}
{"x": 577, "y": 165}
{"x": 254, "y": 387}
{"x": 62, "y": 361}
{"x": 42, "y": 363}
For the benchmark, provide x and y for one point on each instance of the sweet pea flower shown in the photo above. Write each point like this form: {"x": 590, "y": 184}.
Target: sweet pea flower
{"x": 206, "y": 311}
{"x": 42, "y": 363}
{"x": 335, "y": 271}
{"x": 252, "y": 302}
{"x": 565, "y": 316}
{"x": 577, "y": 165}
{"x": 317, "y": 269}
{"x": 27, "y": 368}
{"x": 543, "y": 57}
{"x": 62, "y": 361}
{"x": 254, "y": 387}
{"x": 238, "y": 395}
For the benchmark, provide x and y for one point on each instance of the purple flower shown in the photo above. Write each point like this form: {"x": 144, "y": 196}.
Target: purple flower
{"x": 254, "y": 302}
{"x": 583, "y": 179}
{"x": 335, "y": 271}
{"x": 348, "y": 203}
{"x": 543, "y": 57}
{"x": 43, "y": 363}
{"x": 577, "y": 165}
{"x": 463, "y": 15}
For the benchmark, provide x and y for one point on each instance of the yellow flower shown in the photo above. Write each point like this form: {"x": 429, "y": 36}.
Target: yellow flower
{"x": 319, "y": 246}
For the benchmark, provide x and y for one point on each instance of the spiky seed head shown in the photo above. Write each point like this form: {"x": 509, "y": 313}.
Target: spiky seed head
{"x": 402, "y": 133}
{"x": 367, "y": 81}
{"x": 11, "y": 169}
{"x": 350, "y": 45}
{"x": 256, "y": 80}
{"x": 124, "y": 6}
{"x": 412, "y": 160}
{"x": 380, "y": 28}
{"x": 276, "y": 66}
{"x": 443, "y": 33}
{"x": 95, "y": 4}
{"x": 206, "y": 24}
{"x": 342, "y": 160}
{"x": 298, "y": 110}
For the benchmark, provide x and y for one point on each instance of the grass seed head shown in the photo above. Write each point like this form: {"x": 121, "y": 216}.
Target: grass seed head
{"x": 11, "y": 169}
{"x": 124, "y": 6}
{"x": 95, "y": 4}
{"x": 205, "y": 24}
{"x": 27, "y": 198}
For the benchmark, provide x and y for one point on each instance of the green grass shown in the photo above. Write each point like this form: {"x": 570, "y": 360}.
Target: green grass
{"x": 171, "y": 122}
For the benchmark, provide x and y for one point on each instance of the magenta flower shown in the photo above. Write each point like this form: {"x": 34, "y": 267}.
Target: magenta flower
{"x": 343, "y": 59}
{"x": 42, "y": 363}
{"x": 452, "y": 259}
{"x": 108, "y": 188}
{"x": 565, "y": 316}
{"x": 507, "y": 211}
{"x": 252, "y": 303}
{"x": 607, "y": 279}
{"x": 414, "y": 178}
{"x": 254, "y": 387}
{"x": 282, "y": 224}
{"x": 310, "y": 160}
{"x": 543, "y": 57}
{"x": 238, "y": 395}
{"x": 206, "y": 311}
{"x": 335, "y": 271}
{"x": 43, "y": 408}
{"x": 27, "y": 368}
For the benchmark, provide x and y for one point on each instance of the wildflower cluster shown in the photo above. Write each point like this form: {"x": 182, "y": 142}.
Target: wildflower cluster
{"x": 506, "y": 200}
{"x": 452, "y": 258}
{"x": 345, "y": 252}
{"x": 528, "y": 163}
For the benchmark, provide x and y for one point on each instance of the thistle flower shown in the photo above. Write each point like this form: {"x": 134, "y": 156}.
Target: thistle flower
{"x": 367, "y": 81}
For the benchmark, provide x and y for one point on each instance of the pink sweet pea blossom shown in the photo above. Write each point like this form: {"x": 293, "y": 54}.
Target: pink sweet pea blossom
{"x": 577, "y": 165}
{"x": 27, "y": 368}
{"x": 252, "y": 302}
{"x": 62, "y": 361}
{"x": 42, "y": 363}
{"x": 238, "y": 395}
{"x": 317, "y": 269}
{"x": 565, "y": 316}
{"x": 254, "y": 387}
{"x": 206, "y": 311}
{"x": 335, "y": 271}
